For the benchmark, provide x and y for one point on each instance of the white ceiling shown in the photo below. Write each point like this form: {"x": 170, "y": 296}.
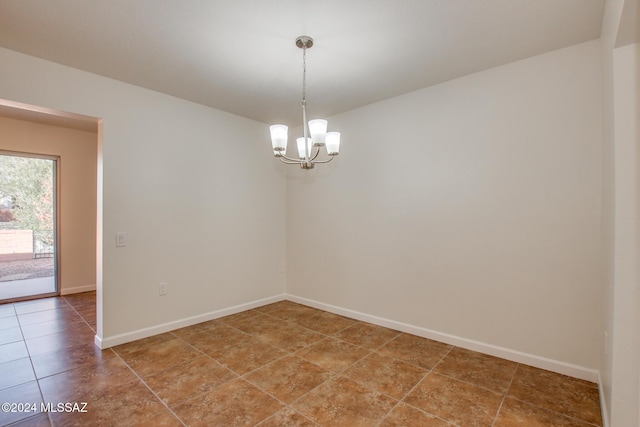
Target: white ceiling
{"x": 239, "y": 55}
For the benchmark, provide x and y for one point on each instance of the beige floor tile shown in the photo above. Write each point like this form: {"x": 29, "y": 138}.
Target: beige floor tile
{"x": 455, "y": 401}
{"x": 153, "y": 359}
{"x": 479, "y": 369}
{"x": 122, "y": 404}
{"x": 558, "y": 393}
{"x": 55, "y": 327}
{"x": 246, "y": 355}
{"x": 235, "y": 403}
{"x": 289, "y": 337}
{"x": 60, "y": 340}
{"x": 197, "y": 376}
{"x": 288, "y": 378}
{"x": 416, "y": 350}
{"x": 515, "y": 413}
{"x": 196, "y": 330}
{"x": 163, "y": 419}
{"x": 130, "y": 347}
{"x": 81, "y": 299}
{"x": 404, "y": 415}
{"x": 342, "y": 402}
{"x": 333, "y": 354}
{"x": 367, "y": 335}
{"x": 258, "y": 324}
{"x": 78, "y": 383}
{"x": 389, "y": 376}
{"x": 65, "y": 313}
{"x": 289, "y": 311}
{"x": 87, "y": 356}
{"x": 209, "y": 338}
{"x": 287, "y": 417}
{"x": 326, "y": 323}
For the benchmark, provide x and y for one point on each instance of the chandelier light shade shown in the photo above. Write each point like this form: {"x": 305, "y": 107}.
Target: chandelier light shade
{"x": 315, "y": 135}
{"x": 279, "y": 136}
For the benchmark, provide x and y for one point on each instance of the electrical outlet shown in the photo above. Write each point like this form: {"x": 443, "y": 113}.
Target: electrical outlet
{"x": 162, "y": 289}
{"x": 281, "y": 267}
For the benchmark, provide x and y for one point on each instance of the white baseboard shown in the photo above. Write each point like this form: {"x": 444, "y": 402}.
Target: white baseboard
{"x": 77, "y": 289}
{"x": 492, "y": 350}
{"x": 107, "y": 342}
{"x": 603, "y": 403}
{"x": 502, "y": 352}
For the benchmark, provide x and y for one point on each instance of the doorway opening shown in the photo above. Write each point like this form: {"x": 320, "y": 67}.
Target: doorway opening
{"x": 28, "y": 226}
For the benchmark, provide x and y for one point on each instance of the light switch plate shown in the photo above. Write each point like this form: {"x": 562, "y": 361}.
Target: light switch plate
{"x": 121, "y": 239}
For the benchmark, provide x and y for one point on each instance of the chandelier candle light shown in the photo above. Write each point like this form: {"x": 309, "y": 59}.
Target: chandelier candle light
{"x": 315, "y": 132}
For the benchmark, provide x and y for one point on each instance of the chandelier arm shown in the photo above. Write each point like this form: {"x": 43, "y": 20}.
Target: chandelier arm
{"x": 289, "y": 163}
{"x": 326, "y": 161}
{"x": 290, "y": 160}
{"x": 316, "y": 155}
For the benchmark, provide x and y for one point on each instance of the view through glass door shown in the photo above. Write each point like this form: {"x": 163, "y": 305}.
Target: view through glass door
{"x": 28, "y": 227}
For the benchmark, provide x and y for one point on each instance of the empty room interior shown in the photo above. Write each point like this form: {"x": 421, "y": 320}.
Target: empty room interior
{"x": 485, "y": 195}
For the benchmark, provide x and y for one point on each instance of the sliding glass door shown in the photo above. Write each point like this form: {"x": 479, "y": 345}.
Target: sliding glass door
{"x": 28, "y": 226}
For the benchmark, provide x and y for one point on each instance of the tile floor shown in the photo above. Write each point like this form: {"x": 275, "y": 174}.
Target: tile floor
{"x": 283, "y": 364}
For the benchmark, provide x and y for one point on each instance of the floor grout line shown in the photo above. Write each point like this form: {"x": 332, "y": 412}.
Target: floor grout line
{"x": 33, "y": 369}
{"x": 30, "y": 356}
{"x": 504, "y": 397}
{"x": 239, "y": 376}
{"x": 429, "y": 372}
{"x": 149, "y": 388}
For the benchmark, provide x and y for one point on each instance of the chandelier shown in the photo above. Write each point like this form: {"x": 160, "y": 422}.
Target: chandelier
{"x": 315, "y": 135}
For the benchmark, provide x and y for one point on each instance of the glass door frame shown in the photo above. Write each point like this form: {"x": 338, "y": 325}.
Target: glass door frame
{"x": 56, "y": 221}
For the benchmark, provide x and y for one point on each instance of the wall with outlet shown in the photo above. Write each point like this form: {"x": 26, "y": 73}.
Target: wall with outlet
{"x": 195, "y": 190}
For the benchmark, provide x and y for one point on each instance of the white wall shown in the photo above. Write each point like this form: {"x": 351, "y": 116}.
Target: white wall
{"x": 471, "y": 208}
{"x": 77, "y": 174}
{"x": 195, "y": 189}
{"x": 625, "y": 398}
{"x": 620, "y": 369}
{"x": 608, "y": 34}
